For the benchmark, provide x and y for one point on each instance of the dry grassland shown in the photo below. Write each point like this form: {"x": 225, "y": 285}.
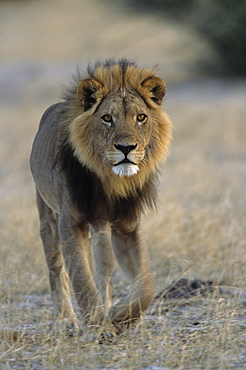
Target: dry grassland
{"x": 199, "y": 231}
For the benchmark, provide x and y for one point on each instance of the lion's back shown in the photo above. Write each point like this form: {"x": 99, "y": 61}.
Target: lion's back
{"x": 44, "y": 148}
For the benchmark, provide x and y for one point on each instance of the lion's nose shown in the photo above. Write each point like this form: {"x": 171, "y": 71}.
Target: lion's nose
{"x": 125, "y": 149}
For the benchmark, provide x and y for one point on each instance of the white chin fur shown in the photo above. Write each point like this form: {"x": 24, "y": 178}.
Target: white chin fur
{"x": 125, "y": 169}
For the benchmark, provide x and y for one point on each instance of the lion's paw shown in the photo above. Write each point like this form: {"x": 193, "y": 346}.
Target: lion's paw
{"x": 107, "y": 335}
{"x": 66, "y": 326}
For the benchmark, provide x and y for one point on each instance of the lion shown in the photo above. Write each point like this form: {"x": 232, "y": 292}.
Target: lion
{"x": 95, "y": 161}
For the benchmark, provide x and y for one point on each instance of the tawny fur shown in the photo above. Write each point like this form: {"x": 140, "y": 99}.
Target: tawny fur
{"x": 94, "y": 161}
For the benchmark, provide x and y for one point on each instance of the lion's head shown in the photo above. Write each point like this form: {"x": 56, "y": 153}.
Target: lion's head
{"x": 116, "y": 125}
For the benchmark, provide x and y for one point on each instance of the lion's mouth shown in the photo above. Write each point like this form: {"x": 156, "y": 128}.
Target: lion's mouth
{"x": 125, "y": 168}
{"x": 125, "y": 161}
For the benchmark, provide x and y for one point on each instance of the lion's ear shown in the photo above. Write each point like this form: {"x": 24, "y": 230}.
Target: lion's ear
{"x": 157, "y": 87}
{"x": 87, "y": 92}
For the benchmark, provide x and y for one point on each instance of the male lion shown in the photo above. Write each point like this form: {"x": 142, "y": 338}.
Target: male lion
{"x": 94, "y": 161}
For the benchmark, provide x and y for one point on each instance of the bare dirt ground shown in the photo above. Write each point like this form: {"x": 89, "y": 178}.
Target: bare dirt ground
{"x": 199, "y": 231}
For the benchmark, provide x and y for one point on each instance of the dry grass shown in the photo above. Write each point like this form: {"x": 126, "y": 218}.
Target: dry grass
{"x": 198, "y": 232}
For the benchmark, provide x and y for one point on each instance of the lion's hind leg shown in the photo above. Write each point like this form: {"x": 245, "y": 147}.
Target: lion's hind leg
{"x": 58, "y": 277}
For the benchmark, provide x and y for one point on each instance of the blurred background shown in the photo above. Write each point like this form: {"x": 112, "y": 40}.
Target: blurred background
{"x": 199, "y": 48}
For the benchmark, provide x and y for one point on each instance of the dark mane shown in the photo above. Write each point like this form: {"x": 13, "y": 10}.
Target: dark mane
{"x": 109, "y": 63}
{"x": 89, "y": 197}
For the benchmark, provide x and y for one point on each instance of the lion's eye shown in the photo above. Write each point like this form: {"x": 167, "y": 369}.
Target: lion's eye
{"x": 141, "y": 118}
{"x": 107, "y": 119}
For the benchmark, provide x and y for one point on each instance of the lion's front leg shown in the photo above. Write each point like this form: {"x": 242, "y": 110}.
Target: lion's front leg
{"x": 132, "y": 255}
{"x": 104, "y": 261}
{"x": 77, "y": 254}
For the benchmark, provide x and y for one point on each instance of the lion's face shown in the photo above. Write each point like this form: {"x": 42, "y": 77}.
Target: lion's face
{"x": 121, "y": 130}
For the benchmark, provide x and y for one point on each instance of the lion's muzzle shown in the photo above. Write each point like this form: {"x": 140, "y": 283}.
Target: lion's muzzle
{"x": 125, "y": 159}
